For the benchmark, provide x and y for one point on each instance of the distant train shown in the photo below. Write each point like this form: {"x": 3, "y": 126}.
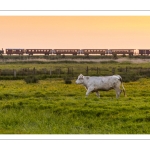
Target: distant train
{"x": 86, "y": 52}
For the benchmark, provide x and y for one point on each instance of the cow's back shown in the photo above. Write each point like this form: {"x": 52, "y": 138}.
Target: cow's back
{"x": 103, "y": 82}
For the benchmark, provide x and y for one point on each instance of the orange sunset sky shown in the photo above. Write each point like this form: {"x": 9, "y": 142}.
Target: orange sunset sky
{"x": 75, "y": 32}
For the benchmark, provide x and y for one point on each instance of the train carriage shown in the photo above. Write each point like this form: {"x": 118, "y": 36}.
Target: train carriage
{"x": 129, "y": 52}
{"x": 93, "y": 51}
{"x": 11, "y": 51}
{"x": 144, "y": 51}
{"x": 38, "y": 51}
{"x": 66, "y": 51}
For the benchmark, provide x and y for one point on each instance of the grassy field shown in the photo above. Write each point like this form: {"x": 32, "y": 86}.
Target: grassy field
{"x": 52, "y": 107}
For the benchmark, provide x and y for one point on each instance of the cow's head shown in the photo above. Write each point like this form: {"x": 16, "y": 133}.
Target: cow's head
{"x": 80, "y": 79}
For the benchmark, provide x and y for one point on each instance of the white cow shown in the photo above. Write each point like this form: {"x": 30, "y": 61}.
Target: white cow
{"x": 103, "y": 83}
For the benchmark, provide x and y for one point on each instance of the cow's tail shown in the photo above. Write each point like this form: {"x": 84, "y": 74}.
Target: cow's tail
{"x": 124, "y": 91}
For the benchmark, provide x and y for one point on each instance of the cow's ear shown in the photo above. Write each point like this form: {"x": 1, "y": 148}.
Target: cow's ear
{"x": 81, "y": 76}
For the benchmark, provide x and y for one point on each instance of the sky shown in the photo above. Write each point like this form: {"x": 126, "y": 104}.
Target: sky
{"x": 79, "y": 32}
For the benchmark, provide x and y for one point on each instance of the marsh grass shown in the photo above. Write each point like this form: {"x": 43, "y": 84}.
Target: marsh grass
{"x": 53, "y": 107}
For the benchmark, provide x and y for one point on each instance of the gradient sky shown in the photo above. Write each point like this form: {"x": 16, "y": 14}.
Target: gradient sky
{"x": 75, "y": 32}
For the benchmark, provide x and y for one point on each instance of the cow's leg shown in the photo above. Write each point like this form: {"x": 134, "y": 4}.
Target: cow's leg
{"x": 118, "y": 92}
{"x": 89, "y": 90}
{"x": 98, "y": 94}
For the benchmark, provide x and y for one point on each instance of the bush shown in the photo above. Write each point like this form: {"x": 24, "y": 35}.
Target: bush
{"x": 31, "y": 79}
{"x": 130, "y": 77}
{"x": 67, "y": 80}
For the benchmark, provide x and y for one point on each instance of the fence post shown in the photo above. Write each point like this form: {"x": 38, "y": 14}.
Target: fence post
{"x": 97, "y": 70}
{"x": 59, "y": 71}
{"x": 28, "y": 71}
{"x": 34, "y": 70}
{"x": 87, "y": 70}
{"x": 14, "y": 72}
{"x": 68, "y": 70}
{"x": 72, "y": 72}
{"x": 45, "y": 71}
{"x": 113, "y": 70}
{"x": 50, "y": 72}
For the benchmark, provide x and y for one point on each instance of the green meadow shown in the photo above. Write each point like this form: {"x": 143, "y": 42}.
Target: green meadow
{"x": 53, "y": 107}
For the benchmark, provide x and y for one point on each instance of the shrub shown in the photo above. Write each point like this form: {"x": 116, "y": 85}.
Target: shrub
{"x": 128, "y": 77}
{"x": 31, "y": 79}
{"x": 67, "y": 80}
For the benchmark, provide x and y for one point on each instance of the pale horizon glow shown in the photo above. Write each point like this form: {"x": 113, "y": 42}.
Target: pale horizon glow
{"x": 79, "y": 32}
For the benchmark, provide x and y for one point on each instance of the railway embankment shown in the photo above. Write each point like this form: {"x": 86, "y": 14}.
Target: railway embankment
{"x": 5, "y": 59}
